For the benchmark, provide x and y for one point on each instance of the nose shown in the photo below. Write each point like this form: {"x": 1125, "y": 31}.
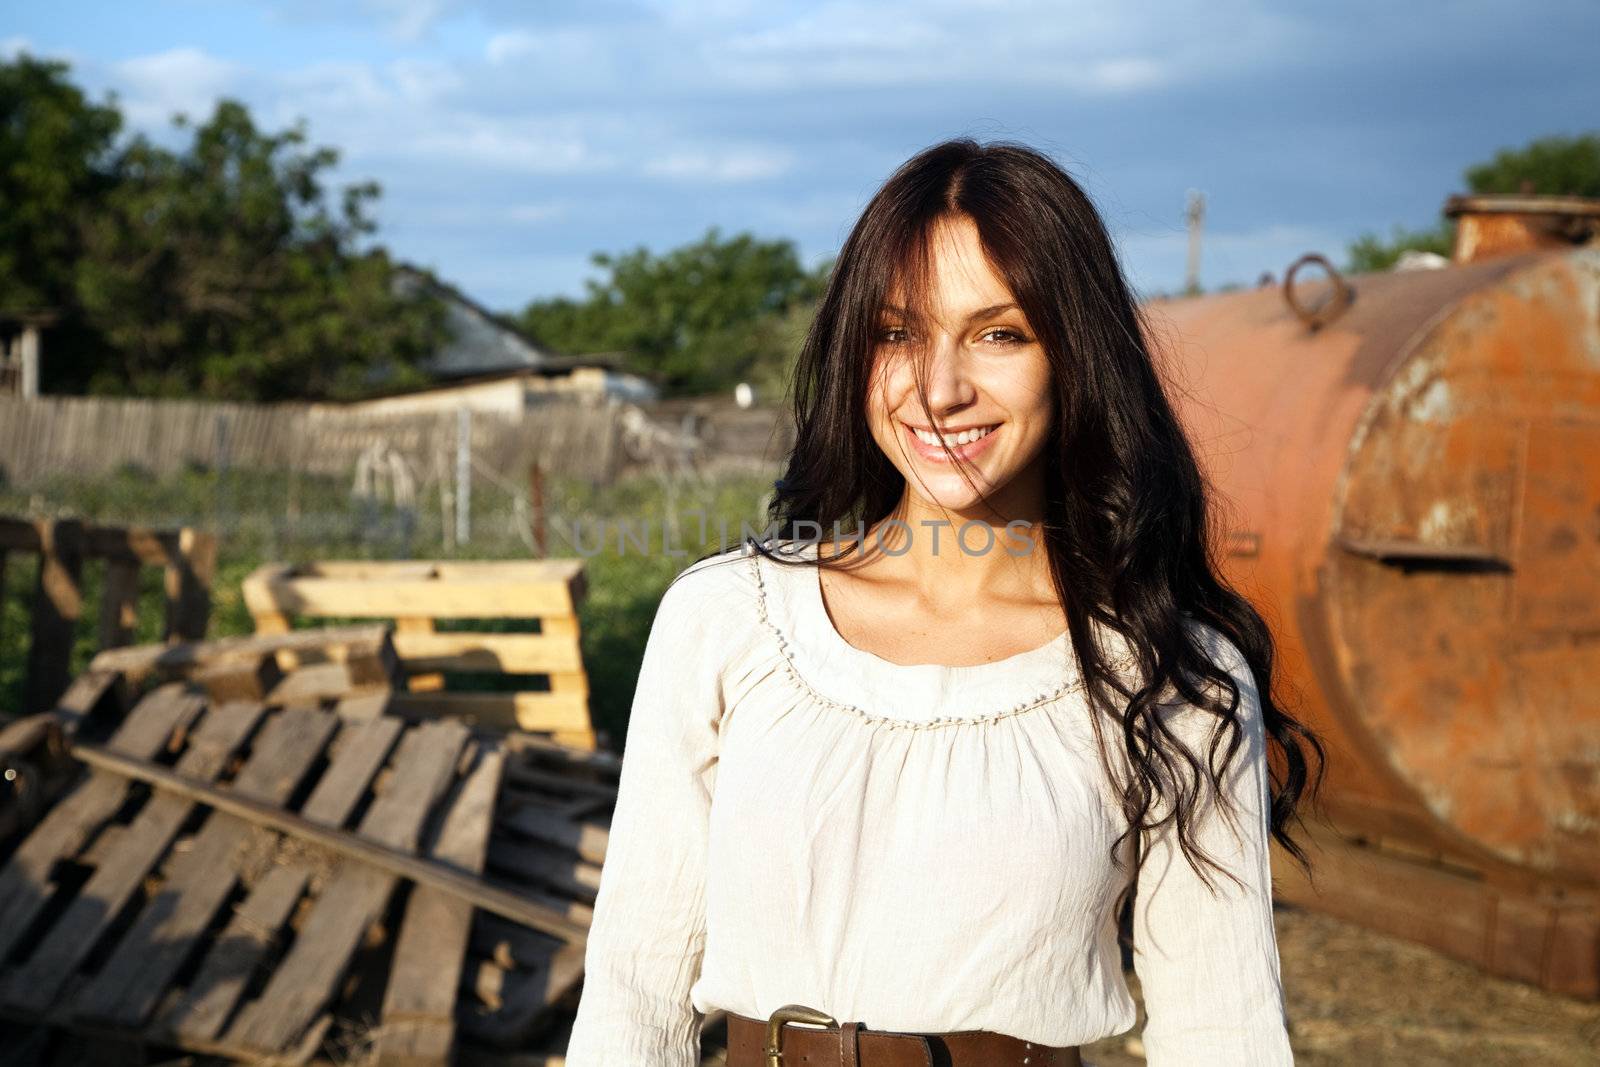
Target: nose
{"x": 950, "y": 385}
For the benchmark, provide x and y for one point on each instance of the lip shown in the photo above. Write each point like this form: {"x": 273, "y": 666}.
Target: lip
{"x": 935, "y": 454}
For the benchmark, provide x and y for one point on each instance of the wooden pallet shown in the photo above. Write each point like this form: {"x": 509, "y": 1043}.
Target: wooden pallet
{"x": 64, "y": 548}
{"x": 417, "y": 596}
{"x": 269, "y": 867}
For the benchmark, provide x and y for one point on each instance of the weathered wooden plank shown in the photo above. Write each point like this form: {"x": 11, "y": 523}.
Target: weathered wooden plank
{"x": 119, "y": 603}
{"x": 419, "y": 1001}
{"x": 560, "y": 784}
{"x": 25, "y": 885}
{"x": 363, "y": 707}
{"x": 360, "y": 751}
{"x": 512, "y": 904}
{"x": 200, "y": 1014}
{"x": 523, "y": 590}
{"x": 239, "y": 679}
{"x": 22, "y": 736}
{"x": 503, "y": 653}
{"x": 367, "y": 648}
{"x": 355, "y": 896}
{"x": 559, "y": 870}
{"x": 503, "y": 711}
{"x": 513, "y": 946}
{"x": 18, "y": 535}
{"x": 129, "y": 984}
{"x": 418, "y": 682}
{"x": 33, "y": 986}
{"x": 548, "y": 827}
{"x": 538, "y": 750}
{"x": 131, "y": 544}
{"x": 205, "y": 1006}
{"x": 57, "y": 606}
{"x": 89, "y": 693}
{"x": 519, "y": 999}
{"x": 313, "y": 683}
{"x": 188, "y": 585}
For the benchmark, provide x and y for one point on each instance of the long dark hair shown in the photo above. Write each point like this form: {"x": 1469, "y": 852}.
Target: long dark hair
{"x": 1126, "y": 511}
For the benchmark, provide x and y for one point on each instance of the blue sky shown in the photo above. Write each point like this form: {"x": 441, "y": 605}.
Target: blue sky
{"x": 514, "y": 139}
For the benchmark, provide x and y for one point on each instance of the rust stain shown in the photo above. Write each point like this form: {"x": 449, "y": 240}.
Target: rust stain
{"x": 1423, "y": 477}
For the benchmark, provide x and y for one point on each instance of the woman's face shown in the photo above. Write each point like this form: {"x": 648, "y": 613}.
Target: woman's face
{"x": 988, "y": 386}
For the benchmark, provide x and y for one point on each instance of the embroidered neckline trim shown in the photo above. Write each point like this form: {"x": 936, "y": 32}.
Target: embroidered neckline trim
{"x": 1049, "y": 696}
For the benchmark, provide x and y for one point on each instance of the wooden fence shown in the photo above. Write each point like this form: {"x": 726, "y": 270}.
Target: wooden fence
{"x": 89, "y": 436}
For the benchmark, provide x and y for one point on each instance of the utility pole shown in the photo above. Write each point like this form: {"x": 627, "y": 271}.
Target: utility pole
{"x": 1196, "y": 216}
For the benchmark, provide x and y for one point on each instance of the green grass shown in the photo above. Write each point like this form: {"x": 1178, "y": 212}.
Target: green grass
{"x": 251, "y": 512}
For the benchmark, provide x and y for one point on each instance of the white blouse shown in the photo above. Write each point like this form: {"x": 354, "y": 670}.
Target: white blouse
{"x": 917, "y": 848}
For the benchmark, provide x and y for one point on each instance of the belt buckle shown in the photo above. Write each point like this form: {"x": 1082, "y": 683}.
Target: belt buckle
{"x": 790, "y": 1013}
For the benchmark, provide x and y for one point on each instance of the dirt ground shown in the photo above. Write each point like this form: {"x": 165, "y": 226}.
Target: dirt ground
{"x": 1356, "y": 997}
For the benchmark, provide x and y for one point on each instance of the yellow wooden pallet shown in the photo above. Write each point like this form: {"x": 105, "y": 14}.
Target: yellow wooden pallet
{"x": 416, "y": 595}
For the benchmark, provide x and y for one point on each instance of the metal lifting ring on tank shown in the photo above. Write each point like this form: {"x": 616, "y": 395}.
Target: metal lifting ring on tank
{"x": 1331, "y": 308}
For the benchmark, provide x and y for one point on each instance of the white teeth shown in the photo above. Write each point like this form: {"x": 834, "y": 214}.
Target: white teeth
{"x": 965, "y": 437}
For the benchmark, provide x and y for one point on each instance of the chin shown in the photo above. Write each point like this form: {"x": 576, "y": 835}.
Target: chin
{"x": 958, "y": 498}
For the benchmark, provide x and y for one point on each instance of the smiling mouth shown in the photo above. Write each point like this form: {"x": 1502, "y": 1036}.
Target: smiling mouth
{"x": 964, "y": 444}
{"x": 955, "y": 440}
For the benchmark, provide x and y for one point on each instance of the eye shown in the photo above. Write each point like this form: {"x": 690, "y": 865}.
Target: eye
{"x": 893, "y": 335}
{"x": 1004, "y": 335}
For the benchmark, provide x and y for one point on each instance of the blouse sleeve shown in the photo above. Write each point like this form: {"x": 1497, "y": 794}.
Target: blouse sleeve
{"x": 1208, "y": 965}
{"x": 647, "y": 936}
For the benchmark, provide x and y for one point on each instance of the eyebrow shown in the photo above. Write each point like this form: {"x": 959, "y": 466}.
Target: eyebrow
{"x": 981, "y": 313}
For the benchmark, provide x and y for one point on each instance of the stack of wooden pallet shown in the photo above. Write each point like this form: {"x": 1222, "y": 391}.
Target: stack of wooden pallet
{"x": 450, "y": 622}
{"x": 259, "y": 860}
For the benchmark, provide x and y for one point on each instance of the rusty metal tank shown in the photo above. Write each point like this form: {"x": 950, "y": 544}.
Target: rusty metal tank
{"x": 1410, "y": 468}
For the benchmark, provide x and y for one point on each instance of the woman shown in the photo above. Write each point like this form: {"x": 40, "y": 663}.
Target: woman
{"x": 886, "y": 793}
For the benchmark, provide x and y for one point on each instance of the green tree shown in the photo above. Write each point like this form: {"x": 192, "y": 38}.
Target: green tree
{"x": 222, "y": 271}
{"x": 55, "y": 158}
{"x": 1369, "y": 252}
{"x": 697, "y": 318}
{"x": 225, "y": 269}
{"x": 1557, "y": 165}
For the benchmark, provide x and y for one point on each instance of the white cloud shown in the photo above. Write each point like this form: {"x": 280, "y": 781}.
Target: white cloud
{"x": 724, "y": 166}
{"x": 334, "y": 88}
{"x": 502, "y": 116}
{"x": 425, "y": 81}
{"x": 181, "y": 79}
{"x": 515, "y": 44}
{"x": 548, "y": 211}
{"x": 833, "y": 29}
{"x": 526, "y": 146}
{"x": 407, "y": 20}
{"x": 11, "y": 47}
{"x": 1127, "y": 74}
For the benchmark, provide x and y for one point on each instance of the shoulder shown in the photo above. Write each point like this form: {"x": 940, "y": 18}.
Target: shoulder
{"x": 1220, "y": 649}
{"x": 1196, "y": 725}
{"x": 1227, "y": 656}
{"x": 716, "y": 589}
{"x": 1209, "y": 641}
{"x": 1226, "y": 733}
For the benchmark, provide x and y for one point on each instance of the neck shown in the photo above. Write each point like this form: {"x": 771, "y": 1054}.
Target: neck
{"x": 955, "y": 554}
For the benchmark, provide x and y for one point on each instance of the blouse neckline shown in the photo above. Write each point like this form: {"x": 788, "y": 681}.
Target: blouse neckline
{"x": 1000, "y": 667}
{"x": 877, "y": 689}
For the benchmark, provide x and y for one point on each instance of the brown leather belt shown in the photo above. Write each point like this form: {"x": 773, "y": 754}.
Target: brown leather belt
{"x": 760, "y": 1043}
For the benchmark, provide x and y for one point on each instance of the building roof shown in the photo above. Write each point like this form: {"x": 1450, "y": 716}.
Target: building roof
{"x": 481, "y": 342}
